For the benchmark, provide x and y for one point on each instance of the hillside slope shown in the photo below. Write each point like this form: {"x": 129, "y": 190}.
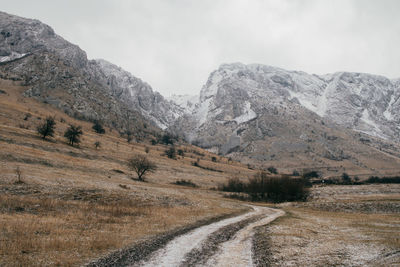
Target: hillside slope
{"x": 59, "y": 73}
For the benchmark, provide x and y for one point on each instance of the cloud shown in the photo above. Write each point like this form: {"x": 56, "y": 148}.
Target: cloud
{"x": 174, "y": 45}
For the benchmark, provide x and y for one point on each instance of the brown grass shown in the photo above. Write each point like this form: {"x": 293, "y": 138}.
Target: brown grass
{"x": 313, "y": 237}
{"x": 73, "y": 206}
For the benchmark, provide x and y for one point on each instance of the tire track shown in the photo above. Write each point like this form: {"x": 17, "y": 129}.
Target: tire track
{"x": 215, "y": 244}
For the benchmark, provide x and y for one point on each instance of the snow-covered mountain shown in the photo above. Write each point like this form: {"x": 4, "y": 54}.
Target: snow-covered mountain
{"x": 238, "y": 93}
{"x": 139, "y": 95}
{"x": 265, "y": 113}
{"x": 187, "y": 103}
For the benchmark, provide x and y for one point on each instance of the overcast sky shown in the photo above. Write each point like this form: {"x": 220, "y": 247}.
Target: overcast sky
{"x": 175, "y": 44}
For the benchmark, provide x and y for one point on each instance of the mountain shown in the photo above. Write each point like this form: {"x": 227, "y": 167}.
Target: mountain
{"x": 265, "y": 114}
{"x": 138, "y": 94}
{"x": 186, "y": 103}
{"x": 60, "y": 74}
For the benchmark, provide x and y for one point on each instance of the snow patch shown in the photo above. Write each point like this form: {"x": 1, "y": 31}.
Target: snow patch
{"x": 186, "y": 102}
{"x": 13, "y": 56}
{"x": 202, "y": 112}
{"x": 304, "y": 101}
{"x": 375, "y": 130}
{"x": 388, "y": 115}
{"x": 247, "y": 114}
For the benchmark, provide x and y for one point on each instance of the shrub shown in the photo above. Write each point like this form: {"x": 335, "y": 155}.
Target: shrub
{"x": 153, "y": 142}
{"x": 184, "y": 182}
{"x": 346, "y": 178}
{"x": 272, "y": 170}
{"x": 295, "y": 173}
{"x": 213, "y": 159}
{"x": 311, "y": 174}
{"x": 383, "y": 180}
{"x": 141, "y": 165}
{"x": 146, "y": 149}
{"x": 129, "y": 136}
{"x": 73, "y": 134}
{"x": 98, "y": 127}
{"x": 27, "y": 116}
{"x": 171, "y": 153}
{"x": 181, "y": 153}
{"x": 167, "y": 139}
{"x": 47, "y": 128}
{"x": 261, "y": 187}
{"x": 233, "y": 185}
{"x": 97, "y": 144}
{"x": 18, "y": 172}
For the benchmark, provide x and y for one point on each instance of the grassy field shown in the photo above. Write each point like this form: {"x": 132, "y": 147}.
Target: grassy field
{"x": 76, "y": 204}
{"x": 339, "y": 226}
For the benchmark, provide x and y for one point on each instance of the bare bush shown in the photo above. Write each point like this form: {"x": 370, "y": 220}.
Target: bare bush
{"x": 141, "y": 165}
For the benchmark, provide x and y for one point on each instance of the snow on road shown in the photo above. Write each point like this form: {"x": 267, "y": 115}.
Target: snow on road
{"x": 237, "y": 252}
{"x": 173, "y": 254}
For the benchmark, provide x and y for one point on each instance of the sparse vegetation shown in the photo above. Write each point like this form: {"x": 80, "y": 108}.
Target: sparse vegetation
{"x": 18, "y": 172}
{"x": 46, "y": 129}
{"x": 346, "y": 178}
{"x": 27, "y": 116}
{"x": 73, "y": 134}
{"x": 97, "y": 144}
{"x": 197, "y": 164}
{"x": 311, "y": 174}
{"x": 166, "y": 139}
{"x": 181, "y": 152}
{"x": 171, "y": 153}
{"x": 184, "y": 182}
{"x": 98, "y": 127}
{"x": 272, "y": 170}
{"x": 129, "y": 136}
{"x": 233, "y": 185}
{"x": 141, "y": 165}
{"x": 383, "y": 180}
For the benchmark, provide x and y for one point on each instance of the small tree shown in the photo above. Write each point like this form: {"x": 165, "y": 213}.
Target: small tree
{"x": 272, "y": 170}
{"x": 167, "y": 139}
{"x": 73, "y": 134}
{"x": 181, "y": 152}
{"x": 46, "y": 128}
{"x": 98, "y": 127}
{"x": 97, "y": 144}
{"x": 171, "y": 153}
{"x": 129, "y": 136}
{"x": 18, "y": 172}
{"x": 141, "y": 165}
{"x": 346, "y": 178}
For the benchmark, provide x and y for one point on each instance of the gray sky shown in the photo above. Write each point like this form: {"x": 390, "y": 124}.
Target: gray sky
{"x": 175, "y": 44}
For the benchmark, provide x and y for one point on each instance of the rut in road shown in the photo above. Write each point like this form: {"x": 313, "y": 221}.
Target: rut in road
{"x": 212, "y": 244}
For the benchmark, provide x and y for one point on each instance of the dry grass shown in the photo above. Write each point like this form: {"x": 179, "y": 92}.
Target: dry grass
{"x": 39, "y": 230}
{"x": 309, "y": 236}
{"x": 76, "y": 204}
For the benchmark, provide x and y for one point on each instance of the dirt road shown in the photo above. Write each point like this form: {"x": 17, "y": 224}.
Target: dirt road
{"x": 224, "y": 243}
